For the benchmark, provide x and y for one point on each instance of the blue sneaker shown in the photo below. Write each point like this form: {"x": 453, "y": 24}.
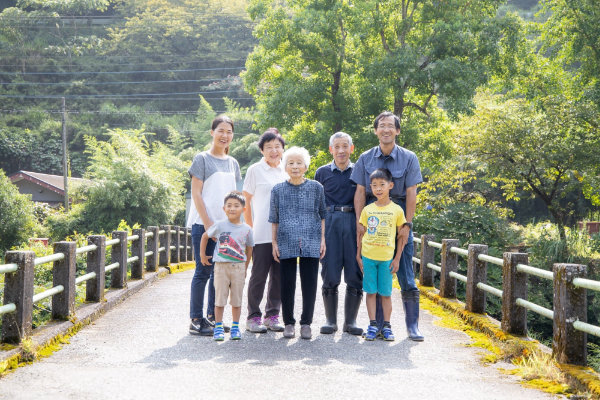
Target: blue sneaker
{"x": 371, "y": 333}
{"x": 218, "y": 333}
{"x": 387, "y": 333}
{"x": 235, "y": 333}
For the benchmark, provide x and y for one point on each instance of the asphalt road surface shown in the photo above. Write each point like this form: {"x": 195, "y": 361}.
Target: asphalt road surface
{"x": 142, "y": 350}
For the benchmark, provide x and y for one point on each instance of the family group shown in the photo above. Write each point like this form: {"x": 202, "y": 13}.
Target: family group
{"x": 353, "y": 218}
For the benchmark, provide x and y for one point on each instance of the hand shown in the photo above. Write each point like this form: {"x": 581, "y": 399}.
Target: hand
{"x": 204, "y": 259}
{"x": 323, "y": 248}
{"x": 395, "y": 265}
{"x": 360, "y": 263}
{"x": 360, "y": 230}
{"x": 275, "y": 252}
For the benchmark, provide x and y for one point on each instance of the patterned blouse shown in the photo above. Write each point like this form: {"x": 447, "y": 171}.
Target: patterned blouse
{"x": 298, "y": 209}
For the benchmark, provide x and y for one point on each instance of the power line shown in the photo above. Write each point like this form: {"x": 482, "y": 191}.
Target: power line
{"x": 120, "y": 72}
{"x": 111, "y": 83}
{"x": 185, "y": 61}
{"x": 84, "y": 96}
{"x": 147, "y": 98}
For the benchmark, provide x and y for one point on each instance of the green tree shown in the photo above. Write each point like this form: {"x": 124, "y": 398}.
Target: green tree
{"x": 131, "y": 181}
{"x": 17, "y": 221}
{"x": 547, "y": 153}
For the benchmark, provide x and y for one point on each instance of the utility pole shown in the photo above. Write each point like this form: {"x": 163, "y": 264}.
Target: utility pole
{"x": 64, "y": 149}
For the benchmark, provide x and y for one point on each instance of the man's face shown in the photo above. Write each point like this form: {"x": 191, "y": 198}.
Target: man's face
{"x": 341, "y": 150}
{"x": 386, "y": 130}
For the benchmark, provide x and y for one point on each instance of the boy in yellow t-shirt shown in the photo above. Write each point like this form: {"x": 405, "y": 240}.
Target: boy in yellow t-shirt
{"x": 382, "y": 220}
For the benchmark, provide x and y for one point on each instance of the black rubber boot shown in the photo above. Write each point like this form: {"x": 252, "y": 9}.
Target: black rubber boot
{"x": 330, "y": 301}
{"x": 351, "y": 306}
{"x": 206, "y": 328}
{"x": 410, "y": 300}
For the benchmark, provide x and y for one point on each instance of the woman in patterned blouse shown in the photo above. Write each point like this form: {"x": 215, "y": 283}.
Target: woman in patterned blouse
{"x": 298, "y": 217}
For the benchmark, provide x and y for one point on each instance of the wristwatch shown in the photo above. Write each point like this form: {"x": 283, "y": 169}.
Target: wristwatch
{"x": 409, "y": 224}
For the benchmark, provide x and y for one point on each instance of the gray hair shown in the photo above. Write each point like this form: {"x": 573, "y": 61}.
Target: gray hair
{"x": 340, "y": 135}
{"x": 297, "y": 151}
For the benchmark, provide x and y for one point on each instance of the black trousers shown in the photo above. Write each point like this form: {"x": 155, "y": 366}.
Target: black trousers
{"x": 309, "y": 273}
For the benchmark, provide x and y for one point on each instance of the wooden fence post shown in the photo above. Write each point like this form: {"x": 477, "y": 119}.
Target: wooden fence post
{"x": 138, "y": 248}
{"x": 449, "y": 264}
{"x": 152, "y": 245}
{"x": 514, "y": 286}
{"x": 118, "y": 253}
{"x": 570, "y": 304}
{"x": 165, "y": 242}
{"x": 185, "y": 243}
{"x": 176, "y": 252}
{"x": 190, "y": 250}
{"x": 96, "y": 262}
{"x": 63, "y": 273}
{"x": 427, "y": 256}
{"x": 18, "y": 289}
{"x": 476, "y": 272}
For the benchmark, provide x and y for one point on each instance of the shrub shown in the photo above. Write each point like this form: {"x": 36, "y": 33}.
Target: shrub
{"x": 17, "y": 222}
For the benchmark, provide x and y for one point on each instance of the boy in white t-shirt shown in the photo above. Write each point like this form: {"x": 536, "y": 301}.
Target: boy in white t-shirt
{"x": 231, "y": 257}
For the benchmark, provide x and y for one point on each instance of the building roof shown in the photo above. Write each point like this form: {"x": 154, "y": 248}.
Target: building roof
{"x": 55, "y": 183}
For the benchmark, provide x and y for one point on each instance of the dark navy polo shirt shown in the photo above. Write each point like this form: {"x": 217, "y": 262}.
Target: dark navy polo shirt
{"x": 402, "y": 163}
{"x": 339, "y": 189}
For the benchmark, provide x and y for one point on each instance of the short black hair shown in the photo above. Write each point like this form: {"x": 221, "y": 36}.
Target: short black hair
{"x": 381, "y": 173}
{"x": 386, "y": 114}
{"x": 269, "y": 135}
{"x": 237, "y": 196}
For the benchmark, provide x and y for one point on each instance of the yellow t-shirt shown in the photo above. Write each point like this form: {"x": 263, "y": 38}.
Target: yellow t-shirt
{"x": 379, "y": 240}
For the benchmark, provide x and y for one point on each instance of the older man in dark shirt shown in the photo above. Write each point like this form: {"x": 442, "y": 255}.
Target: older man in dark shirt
{"x": 340, "y": 236}
{"x": 406, "y": 173}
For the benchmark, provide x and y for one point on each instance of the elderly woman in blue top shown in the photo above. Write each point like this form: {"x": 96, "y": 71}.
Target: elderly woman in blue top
{"x": 298, "y": 217}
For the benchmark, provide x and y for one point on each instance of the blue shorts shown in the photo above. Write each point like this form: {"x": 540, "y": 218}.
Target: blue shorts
{"x": 377, "y": 277}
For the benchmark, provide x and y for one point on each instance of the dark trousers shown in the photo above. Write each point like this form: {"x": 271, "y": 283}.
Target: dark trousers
{"x": 340, "y": 239}
{"x": 202, "y": 275}
{"x": 264, "y": 265}
{"x": 309, "y": 274}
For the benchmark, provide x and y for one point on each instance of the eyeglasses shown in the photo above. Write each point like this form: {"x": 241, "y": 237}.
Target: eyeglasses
{"x": 386, "y": 126}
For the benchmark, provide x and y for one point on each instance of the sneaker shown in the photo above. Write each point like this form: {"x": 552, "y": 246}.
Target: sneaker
{"x": 235, "y": 333}
{"x": 219, "y": 334}
{"x": 387, "y": 333}
{"x": 272, "y": 323}
{"x": 289, "y": 332}
{"x": 211, "y": 320}
{"x": 196, "y": 327}
{"x": 371, "y": 333}
{"x": 305, "y": 332}
{"x": 253, "y": 325}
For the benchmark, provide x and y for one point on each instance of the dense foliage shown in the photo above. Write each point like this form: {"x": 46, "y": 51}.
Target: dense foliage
{"x": 17, "y": 221}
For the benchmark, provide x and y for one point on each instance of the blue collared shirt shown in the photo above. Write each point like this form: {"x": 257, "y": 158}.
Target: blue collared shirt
{"x": 339, "y": 189}
{"x": 402, "y": 163}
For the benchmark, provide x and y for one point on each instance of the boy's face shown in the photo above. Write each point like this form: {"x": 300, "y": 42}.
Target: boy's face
{"x": 233, "y": 209}
{"x": 381, "y": 187}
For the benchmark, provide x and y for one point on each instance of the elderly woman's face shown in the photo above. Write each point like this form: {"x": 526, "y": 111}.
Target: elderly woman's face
{"x": 272, "y": 151}
{"x": 295, "y": 166}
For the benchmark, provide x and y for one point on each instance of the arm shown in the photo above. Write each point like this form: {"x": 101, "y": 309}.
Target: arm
{"x": 197, "y": 185}
{"x": 322, "y": 250}
{"x": 249, "y": 250}
{"x": 359, "y": 235}
{"x": 411, "y": 205}
{"x": 204, "y": 259}
{"x": 248, "y": 210}
{"x": 274, "y": 228}
{"x": 400, "y": 243}
{"x": 360, "y": 199}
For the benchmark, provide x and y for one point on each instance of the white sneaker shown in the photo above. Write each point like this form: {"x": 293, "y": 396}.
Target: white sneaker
{"x": 272, "y": 323}
{"x": 305, "y": 332}
{"x": 253, "y": 325}
{"x": 289, "y": 332}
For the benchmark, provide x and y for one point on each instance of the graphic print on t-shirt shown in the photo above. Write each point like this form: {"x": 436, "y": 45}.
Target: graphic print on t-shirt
{"x": 229, "y": 249}
{"x": 372, "y": 223}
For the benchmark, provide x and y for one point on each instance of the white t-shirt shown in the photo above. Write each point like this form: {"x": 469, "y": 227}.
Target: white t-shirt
{"x": 260, "y": 179}
{"x": 219, "y": 177}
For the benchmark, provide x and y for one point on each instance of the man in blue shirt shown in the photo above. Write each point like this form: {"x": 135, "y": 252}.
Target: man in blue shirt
{"x": 340, "y": 236}
{"x": 406, "y": 173}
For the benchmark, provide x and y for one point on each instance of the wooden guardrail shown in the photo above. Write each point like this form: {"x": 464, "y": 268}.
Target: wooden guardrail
{"x": 150, "y": 248}
{"x": 569, "y": 313}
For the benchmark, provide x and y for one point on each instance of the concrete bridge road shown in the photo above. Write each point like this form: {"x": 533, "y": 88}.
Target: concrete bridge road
{"x": 142, "y": 350}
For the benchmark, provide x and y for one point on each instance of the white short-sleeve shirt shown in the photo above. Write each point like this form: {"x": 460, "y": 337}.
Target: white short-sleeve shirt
{"x": 260, "y": 179}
